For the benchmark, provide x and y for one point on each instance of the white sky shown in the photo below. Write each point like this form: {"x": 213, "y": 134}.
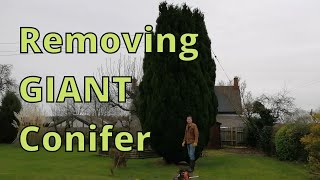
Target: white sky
{"x": 270, "y": 44}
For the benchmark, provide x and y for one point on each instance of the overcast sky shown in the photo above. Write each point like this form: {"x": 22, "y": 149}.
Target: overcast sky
{"x": 271, "y": 44}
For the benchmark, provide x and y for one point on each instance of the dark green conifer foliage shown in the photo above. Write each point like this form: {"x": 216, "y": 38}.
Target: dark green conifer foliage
{"x": 10, "y": 104}
{"x": 171, "y": 88}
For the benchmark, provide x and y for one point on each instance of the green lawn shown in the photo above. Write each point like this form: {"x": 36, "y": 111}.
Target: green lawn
{"x": 15, "y": 163}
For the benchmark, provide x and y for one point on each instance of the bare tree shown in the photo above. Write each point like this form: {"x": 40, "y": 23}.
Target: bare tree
{"x": 6, "y": 81}
{"x": 65, "y": 111}
{"x": 129, "y": 121}
{"x": 248, "y": 105}
{"x": 99, "y": 110}
{"x": 124, "y": 67}
{"x": 246, "y": 100}
{"x": 32, "y": 114}
{"x": 281, "y": 105}
{"x": 299, "y": 115}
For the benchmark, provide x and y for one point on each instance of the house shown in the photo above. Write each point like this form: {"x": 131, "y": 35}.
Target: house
{"x": 229, "y": 127}
{"x": 230, "y": 108}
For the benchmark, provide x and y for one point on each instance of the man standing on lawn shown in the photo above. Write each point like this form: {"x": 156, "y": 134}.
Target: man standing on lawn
{"x": 191, "y": 139}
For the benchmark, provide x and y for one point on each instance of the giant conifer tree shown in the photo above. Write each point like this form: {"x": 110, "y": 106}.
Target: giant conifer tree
{"x": 171, "y": 88}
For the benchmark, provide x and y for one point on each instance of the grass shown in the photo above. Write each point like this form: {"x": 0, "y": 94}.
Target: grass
{"x": 15, "y": 163}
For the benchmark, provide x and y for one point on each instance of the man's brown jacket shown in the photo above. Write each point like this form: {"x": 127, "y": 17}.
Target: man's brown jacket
{"x": 191, "y": 134}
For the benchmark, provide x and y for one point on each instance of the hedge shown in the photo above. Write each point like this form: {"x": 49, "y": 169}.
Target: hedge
{"x": 312, "y": 145}
{"x": 287, "y": 142}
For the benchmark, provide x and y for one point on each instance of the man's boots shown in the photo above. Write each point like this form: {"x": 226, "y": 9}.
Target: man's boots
{"x": 192, "y": 164}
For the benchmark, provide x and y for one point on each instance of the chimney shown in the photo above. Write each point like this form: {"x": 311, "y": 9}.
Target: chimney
{"x": 236, "y": 82}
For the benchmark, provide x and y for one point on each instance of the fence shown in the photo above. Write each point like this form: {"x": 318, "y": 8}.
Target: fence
{"x": 232, "y": 136}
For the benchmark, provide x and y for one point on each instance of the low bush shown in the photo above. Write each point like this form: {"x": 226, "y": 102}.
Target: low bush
{"x": 262, "y": 139}
{"x": 287, "y": 142}
{"x": 265, "y": 141}
{"x": 312, "y": 145}
{"x": 275, "y": 129}
{"x": 251, "y": 133}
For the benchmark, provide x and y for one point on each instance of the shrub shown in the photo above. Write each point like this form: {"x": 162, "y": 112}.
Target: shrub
{"x": 287, "y": 141}
{"x": 312, "y": 145}
{"x": 275, "y": 129}
{"x": 259, "y": 138}
{"x": 259, "y": 129}
{"x": 265, "y": 141}
{"x": 252, "y": 133}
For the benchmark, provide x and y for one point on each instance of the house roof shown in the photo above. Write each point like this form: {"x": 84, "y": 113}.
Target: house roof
{"x": 230, "y": 120}
{"x": 229, "y": 99}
